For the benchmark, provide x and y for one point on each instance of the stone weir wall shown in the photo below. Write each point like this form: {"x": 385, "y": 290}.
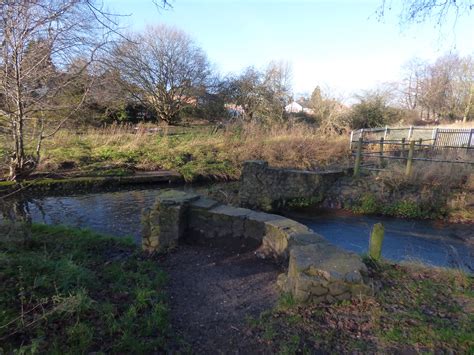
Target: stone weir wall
{"x": 316, "y": 270}
{"x": 267, "y": 189}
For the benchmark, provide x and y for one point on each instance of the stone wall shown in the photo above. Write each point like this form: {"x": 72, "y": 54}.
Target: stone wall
{"x": 269, "y": 189}
{"x": 316, "y": 270}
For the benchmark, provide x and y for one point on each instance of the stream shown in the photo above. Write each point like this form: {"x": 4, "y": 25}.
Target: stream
{"x": 119, "y": 214}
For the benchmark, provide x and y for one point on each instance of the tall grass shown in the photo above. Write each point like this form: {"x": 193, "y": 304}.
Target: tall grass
{"x": 291, "y": 145}
{"x": 199, "y": 152}
{"x": 444, "y": 175}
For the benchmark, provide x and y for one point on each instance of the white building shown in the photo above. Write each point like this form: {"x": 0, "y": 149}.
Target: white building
{"x": 293, "y": 107}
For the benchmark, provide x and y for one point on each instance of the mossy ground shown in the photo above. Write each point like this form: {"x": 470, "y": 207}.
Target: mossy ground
{"x": 73, "y": 291}
{"x": 418, "y": 309}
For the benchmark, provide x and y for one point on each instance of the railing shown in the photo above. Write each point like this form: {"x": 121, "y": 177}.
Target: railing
{"x": 440, "y": 137}
{"x": 437, "y": 150}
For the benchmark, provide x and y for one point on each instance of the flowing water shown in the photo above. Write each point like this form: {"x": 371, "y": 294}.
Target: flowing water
{"x": 430, "y": 242}
{"x": 119, "y": 214}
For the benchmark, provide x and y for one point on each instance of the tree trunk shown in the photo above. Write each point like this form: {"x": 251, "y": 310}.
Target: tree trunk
{"x": 469, "y": 104}
{"x": 18, "y": 160}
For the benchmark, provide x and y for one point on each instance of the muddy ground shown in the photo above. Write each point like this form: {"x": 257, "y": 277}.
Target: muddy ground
{"x": 213, "y": 293}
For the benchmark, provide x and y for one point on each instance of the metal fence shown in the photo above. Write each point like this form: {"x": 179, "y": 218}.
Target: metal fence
{"x": 373, "y": 149}
{"x": 439, "y": 137}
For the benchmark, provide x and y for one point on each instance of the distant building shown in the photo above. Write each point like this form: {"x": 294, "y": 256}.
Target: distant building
{"x": 293, "y": 107}
{"x": 234, "y": 110}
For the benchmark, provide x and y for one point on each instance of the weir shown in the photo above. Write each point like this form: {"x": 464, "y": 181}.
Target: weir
{"x": 315, "y": 269}
{"x": 266, "y": 188}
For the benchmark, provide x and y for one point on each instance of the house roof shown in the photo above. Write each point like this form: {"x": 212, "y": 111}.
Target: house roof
{"x": 293, "y": 107}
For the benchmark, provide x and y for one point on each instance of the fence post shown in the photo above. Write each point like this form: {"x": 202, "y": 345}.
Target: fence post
{"x": 434, "y": 136}
{"x": 352, "y": 137}
{"x": 403, "y": 147}
{"x": 409, "y": 168}
{"x": 358, "y": 158}
{"x": 382, "y": 163}
{"x": 410, "y": 132}
{"x": 471, "y": 134}
{"x": 375, "y": 241}
{"x": 385, "y": 133}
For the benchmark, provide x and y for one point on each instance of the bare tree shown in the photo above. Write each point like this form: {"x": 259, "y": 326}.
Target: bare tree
{"x": 276, "y": 87}
{"x": 245, "y": 91}
{"x": 440, "y": 90}
{"x": 162, "y": 67}
{"x": 162, "y": 4}
{"x": 328, "y": 111}
{"x": 441, "y": 11}
{"x": 262, "y": 94}
{"x": 40, "y": 41}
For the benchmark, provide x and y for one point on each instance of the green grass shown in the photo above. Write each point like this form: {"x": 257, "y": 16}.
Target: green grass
{"x": 74, "y": 291}
{"x": 192, "y": 154}
{"x": 403, "y": 208}
{"x": 417, "y": 309}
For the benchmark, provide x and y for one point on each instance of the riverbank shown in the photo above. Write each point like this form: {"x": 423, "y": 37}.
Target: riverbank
{"x": 416, "y": 309}
{"x": 87, "y": 184}
{"x": 194, "y": 153}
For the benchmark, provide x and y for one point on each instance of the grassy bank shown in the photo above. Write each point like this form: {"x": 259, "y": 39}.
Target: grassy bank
{"x": 417, "y": 309}
{"x": 433, "y": 191}
{"x": 193, "y": 153}
{"x": 71, "y": 291}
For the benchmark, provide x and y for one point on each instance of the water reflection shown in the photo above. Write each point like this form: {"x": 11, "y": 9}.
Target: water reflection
{"x": 405, "y": 240}
{"x": 119, "y": 214}
{"x": 15, "y": 211}
{"x": 113, "y": 213}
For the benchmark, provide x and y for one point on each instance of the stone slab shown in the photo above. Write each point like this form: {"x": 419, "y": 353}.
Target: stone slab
{"x": 230, "y": 211}
{"x": 176, "y": 197}
{"x": 204, "y": 203}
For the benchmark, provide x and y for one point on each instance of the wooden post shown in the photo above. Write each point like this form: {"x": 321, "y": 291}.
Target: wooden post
{"x": 375, "y": 242}
{"x": 471, "y": 134}
{"x": 382, "y": 163}
{"x": 410, "y": 132}
{"x": 434, "y": 136}
{"x": 385, "y": 133}
{"x": 352, "y": 137}
{"x": 403, "y": 147}
{"x": 409, "y": 168}
{"x": 358, "y": 158}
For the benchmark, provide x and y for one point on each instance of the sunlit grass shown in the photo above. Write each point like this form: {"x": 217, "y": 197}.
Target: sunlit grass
{"x": 194, "y": 154}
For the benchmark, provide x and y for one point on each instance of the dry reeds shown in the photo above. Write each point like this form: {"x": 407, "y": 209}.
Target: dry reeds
{"x": 445, "y": 175}
{"x": 291, "y": 145}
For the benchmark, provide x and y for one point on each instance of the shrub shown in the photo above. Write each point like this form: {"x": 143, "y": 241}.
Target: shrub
{"x": 405, "y": 209}
{"x": 372, "y": 111}
{"x": 368, "y": 204}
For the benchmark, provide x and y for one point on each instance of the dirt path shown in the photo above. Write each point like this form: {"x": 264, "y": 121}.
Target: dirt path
{"x": 212, "y": 294}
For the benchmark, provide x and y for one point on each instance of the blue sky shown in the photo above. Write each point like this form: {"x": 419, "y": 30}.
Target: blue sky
{"x": 339, "y": 45}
